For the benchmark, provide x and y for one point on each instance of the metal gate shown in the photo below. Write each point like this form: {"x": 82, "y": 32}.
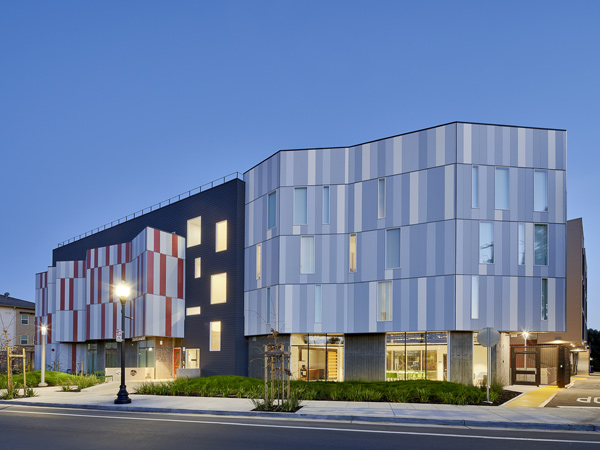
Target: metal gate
{"x": 538, "y": 364}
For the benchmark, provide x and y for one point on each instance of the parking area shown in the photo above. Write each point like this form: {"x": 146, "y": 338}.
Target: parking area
{"x": 584, "y": 392}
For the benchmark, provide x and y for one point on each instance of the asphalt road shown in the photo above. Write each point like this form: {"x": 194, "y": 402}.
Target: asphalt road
{"x": 582, "y": 393}
{"x": 23, "y": 427}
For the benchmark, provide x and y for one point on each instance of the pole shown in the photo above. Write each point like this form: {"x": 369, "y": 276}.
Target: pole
{"x": 489, "y": 368}
{"x": 24, "y": 372}
{"x": 43, "y": 380}
{"x": 123, "y": 395}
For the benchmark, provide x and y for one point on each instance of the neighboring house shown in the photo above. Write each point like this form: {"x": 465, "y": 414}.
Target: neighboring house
{"x": 184, "y": 263}
{"x": 17, "y": 326}
{"x": 376, "y": 261}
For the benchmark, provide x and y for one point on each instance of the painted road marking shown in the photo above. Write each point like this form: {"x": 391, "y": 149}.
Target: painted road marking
{"x": 588, "y": 399}
{"x": 312, "y": 428}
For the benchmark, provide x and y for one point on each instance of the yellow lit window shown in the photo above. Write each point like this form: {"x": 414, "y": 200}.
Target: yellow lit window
{"x": 218, "y": 288}
{"x": 194, "y": 227}
{"x": 221, "y": 236}
{"x": 215, "y": 336}
{"x": 258, "y": 258}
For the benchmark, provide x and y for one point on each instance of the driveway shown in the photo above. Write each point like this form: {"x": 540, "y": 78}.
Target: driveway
{"x": 583, "y": 392}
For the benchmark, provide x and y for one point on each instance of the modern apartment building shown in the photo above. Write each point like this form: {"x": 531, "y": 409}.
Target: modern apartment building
{"x": 381, "y": 260}
{"x": 377, "y": 261}
{"x": 184, "y": 262}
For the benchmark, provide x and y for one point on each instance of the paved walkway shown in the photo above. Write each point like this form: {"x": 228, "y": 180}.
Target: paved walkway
{"x": 102, "y": 397}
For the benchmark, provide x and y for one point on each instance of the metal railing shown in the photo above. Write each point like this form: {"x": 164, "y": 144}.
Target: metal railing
{"x": 156, "y": 206}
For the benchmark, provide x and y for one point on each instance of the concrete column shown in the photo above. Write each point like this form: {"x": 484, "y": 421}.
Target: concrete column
{"x": 364, "y": 356}
{"x": 460, "y": 355}
{"x": 583, "y": 363}
{"x": 501, "y": 360}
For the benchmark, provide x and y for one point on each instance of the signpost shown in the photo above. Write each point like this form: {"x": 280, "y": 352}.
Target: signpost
{"x": 488, "y": 337}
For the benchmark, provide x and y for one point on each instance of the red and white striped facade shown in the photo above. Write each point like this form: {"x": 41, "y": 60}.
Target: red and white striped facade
{"x": 77, "y": 299}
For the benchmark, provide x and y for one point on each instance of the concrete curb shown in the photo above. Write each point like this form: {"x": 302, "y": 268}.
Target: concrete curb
{"x": 336, "y": 417}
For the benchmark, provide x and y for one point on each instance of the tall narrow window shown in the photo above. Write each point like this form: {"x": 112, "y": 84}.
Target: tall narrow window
{"x": 300, "y": 207}
{"x": 307, "y": 254}
{"x": 268, "y": 318}
{"x": 215, "y": 336}
{"x": 384, "y": 300}
{"x": 194, "y": 229}
{"x": 540, "y": 245}
{"x": 353, "y": 253}
{"x": 318, "y": 304}
{"x": 325, "y": 204}
{"x": 475, "y": 187}
{"x": 258, "y": 260}
{"x": 381, "y": 198}
{"x": 540, "y": 190}
{"x": 521, "y": 254}
{"x": 392, "y": 248}
{"x": 271, "y": 210}
{"x": 501, "y": 188}
{"x": 221, "y": 236}
{"x": 197, "y": 268}
{"x": 218, "y": 288}
{"x": 544, "y": 298}
{"x": 486, "y": 242}
{"x": 475, "y": 297}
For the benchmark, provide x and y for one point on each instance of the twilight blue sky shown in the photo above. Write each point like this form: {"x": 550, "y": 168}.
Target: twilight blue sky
{"x": 109, "y": 107}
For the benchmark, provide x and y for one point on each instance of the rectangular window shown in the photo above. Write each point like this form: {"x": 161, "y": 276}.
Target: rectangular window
{"x": 192, "y": 358}
{"x": 475, "y": 297}
{"x": 540, "y": 190}
{"x": 268, "y": 318}
{"x": 544, "y": 298}
{"x": 318, "y": 304}
{"x": 258, "y": 260}
{"x": 307, "y": 254}
{"x": 325, "y": 204}
{"x": 194, "y": 228}
{"x": 384, "y": 301}
{"x": 486, "y": 242}
{"x": 353, "y": 253}
{"x": 381, "y": 198}
{"x": 24, "y": 319}
{"x": 540, "y": 245}
{"x": 392, "y": 248}
{"x": 192, "y": 311}
{"x": 300, "y": 206}
{"x": 271, "y": 210}
{"x": 24, "y": 339}
{"x": 475, "y": 187}
{"x": 521, "y": 255}
{"x": 501, "y": 188}
{"x": 221, "y": 237}
{"x": 215, "y": 336}
{"x": 110, "y": 355}
{"x": 218, "y": 288}
{"x": 146, "y": 353}
{"x": 197, "y": 268}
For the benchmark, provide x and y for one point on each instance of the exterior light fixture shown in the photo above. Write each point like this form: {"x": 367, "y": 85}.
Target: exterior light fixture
{"x": 44, "y": 331}
{"x": 123, "y": 291}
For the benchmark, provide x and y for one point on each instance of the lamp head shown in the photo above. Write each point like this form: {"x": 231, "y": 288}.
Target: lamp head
{"x": 123, "y": 292}
{"x": 43, "y": 329}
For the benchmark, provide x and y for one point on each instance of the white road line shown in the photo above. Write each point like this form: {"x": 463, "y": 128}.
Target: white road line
{"x": 207, "y": 422}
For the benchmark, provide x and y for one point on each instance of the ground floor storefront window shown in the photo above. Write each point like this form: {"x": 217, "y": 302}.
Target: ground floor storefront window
{"x": 416, "y": 356}
{"x": 146, "y": 353}
{"x": 111, "y": 358}
{"x": 317, "y": 357}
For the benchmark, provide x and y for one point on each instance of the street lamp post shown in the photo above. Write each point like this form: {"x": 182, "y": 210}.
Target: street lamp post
{"x": 44, "y": 330}
{"x": 123, "y": 396}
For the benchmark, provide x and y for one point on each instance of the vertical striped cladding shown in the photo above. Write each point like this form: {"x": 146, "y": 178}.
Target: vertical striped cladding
{"x": 420, "y": 176}
{"x": 79, "y": 297}
{"x": 428, "y": 196}
{"x": 509, "y": 293}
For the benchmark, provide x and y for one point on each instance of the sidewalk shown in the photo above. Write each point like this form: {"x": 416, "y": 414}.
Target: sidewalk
{"x": 102, "y": 397}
